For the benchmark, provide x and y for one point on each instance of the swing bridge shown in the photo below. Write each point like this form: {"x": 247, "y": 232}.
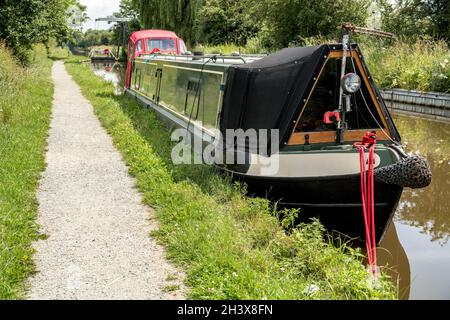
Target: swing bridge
{"x": 106, "y": 54}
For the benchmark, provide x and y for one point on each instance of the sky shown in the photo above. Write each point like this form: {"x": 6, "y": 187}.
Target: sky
{"x": 99, "y": 9}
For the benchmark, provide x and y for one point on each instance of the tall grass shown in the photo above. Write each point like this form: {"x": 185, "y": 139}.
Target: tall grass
{"x": 231, "y": 246}
{"x": 253, "y": 47}
{"x": 423, "y": 65}
{"x": 25, "y": 104}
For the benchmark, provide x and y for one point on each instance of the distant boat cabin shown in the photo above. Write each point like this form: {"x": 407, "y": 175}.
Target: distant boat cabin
{"x": 146, "y": 42}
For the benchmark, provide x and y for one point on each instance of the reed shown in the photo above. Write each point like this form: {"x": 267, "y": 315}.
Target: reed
{"x": 253, "y": 47}
{"x": 423, "y": 65}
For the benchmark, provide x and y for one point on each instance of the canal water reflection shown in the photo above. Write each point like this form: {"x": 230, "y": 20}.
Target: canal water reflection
{"x": 416, "y": 247}
{"x": 113, "y": 72}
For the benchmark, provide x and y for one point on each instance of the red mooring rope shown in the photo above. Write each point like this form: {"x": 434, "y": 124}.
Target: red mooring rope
{"x": 367, "y": 195}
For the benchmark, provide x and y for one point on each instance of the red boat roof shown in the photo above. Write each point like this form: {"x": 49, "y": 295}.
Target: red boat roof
{"x": 144, "y": 34}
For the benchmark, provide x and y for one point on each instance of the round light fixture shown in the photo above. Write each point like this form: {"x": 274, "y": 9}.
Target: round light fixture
{"x": 351, "y": 83}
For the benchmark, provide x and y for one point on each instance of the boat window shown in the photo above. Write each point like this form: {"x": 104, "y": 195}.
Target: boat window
{"x": 161, "y": 44}
{"x": 183, "y": 48}
{"x": 325, "y": 97}
{"x": 139, "y": 47}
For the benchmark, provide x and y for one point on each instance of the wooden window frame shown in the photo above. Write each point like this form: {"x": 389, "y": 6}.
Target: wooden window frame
{"x": 302, "y": 138}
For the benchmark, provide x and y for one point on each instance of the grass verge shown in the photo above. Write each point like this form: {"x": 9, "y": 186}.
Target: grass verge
{"x": 231, "y": 246}
{"x": 25, "y": 106}
{"x": 58, "y": 53}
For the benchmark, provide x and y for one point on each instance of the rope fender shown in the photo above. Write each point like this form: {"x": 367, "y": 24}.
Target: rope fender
{"x": 411, "y": 172}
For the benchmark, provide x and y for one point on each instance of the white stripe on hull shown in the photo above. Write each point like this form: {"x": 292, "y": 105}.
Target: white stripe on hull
{"x": 308, "y": 165}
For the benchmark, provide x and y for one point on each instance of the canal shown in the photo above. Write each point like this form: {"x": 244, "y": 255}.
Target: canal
{"x": 113, "y": 72}
{"x": 416, "y": 248}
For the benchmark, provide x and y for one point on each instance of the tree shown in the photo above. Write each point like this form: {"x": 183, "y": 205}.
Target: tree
{"x": 26, "y": 22}
{"x": 439, "y": 11}
{"x": 127, "y": 9}
{"x": 280, "y": 23}
{"x": 290, "y": 21}
{"x": 96, "y": 38}
{"x": 409, "y": 19}
{"x": 76, "y": 16}
{"x": 226, "y": 21}
{"x": 179, "y": 16}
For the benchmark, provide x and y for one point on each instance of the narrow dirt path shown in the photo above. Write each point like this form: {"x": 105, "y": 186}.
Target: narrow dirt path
{"x": 98, "y": 244}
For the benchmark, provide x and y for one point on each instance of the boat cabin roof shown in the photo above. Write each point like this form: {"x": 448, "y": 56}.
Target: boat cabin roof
{"x": 218, "y": 59}
{"x": 273, "y": 93}
{"x": 145, "y": 34}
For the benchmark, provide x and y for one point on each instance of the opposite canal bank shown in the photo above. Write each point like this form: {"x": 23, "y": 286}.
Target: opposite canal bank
{"x": 431, "y": 105}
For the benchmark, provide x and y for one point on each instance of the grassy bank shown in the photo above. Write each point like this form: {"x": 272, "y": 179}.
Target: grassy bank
{"x": 25, "y": 104}
{"x": 423, "y": 66}
{"x": 58, "y": 53}
{"x": 230, "y": 246}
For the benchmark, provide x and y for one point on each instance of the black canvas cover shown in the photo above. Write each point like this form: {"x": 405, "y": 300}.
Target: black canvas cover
{"x": 269, "y": 93}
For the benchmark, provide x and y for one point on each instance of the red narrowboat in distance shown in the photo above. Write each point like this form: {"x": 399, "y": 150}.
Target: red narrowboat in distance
{"x": 146, "y": 42}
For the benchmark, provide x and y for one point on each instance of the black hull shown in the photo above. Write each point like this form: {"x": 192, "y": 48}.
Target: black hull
{"x": 336, "y": 201}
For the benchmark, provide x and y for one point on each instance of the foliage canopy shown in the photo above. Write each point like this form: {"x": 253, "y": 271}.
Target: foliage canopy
{"x": 279, "y": 23}
{"x": 27, "y": 22}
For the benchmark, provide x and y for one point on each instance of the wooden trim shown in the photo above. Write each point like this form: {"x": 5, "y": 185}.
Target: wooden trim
{"x": 330, "y": 136}
{"x": 299, "y": 138}
{"x": 338, "y": 54}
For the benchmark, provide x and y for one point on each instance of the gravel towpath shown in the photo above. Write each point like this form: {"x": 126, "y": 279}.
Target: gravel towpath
{"x": 98, "y": 244}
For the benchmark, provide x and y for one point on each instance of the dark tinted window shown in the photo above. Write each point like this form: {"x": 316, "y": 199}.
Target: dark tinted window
{"x": 325, "y": 97}
{"x": 161, "y": 44}
{"x": 139, "y": 47}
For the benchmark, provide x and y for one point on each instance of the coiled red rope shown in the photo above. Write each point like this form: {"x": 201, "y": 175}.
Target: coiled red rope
{"x": 367, "y": 195}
